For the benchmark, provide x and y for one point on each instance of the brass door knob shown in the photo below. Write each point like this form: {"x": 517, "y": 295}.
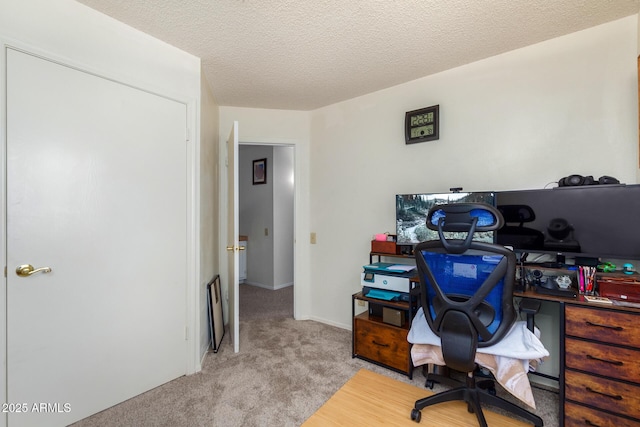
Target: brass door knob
{"x": 26, "y": 270}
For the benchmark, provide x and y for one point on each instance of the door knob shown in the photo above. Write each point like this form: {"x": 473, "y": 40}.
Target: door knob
{"x": 26, "y": 270}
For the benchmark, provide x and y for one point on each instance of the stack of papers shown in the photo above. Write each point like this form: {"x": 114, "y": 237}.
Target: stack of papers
{"x": 384, "y": 267}
{"x": 401, "y": 267}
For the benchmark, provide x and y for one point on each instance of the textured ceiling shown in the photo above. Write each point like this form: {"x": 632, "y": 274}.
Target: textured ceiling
{"x": 305, "y": 54}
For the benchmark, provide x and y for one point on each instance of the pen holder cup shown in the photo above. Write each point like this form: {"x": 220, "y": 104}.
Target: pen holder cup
{"x": 587, "y": 280}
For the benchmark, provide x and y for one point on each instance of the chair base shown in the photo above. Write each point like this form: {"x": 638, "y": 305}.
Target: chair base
{"x": 442, "y": 375}
{"x": 474, "y": 397}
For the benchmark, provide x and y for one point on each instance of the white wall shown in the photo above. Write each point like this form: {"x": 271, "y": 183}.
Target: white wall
{"x": 99, "y": 43}
{"x": 209, "y": 206}
{"x": 261, "y": 126}
{"x": 518, "y": 120}
{"x": 283, "y": 221}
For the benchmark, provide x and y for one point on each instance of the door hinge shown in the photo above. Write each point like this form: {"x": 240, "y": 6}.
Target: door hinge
{"x": 5, "y": 271}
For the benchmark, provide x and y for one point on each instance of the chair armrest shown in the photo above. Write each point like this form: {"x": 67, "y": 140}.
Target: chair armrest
{"x": 530, "y": 307}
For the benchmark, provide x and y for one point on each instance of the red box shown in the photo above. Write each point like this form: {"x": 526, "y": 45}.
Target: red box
{"x": 620, "y": 287}
{"x": 385, "y": 247}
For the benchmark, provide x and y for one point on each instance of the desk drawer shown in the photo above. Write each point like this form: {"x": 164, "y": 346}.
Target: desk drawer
{"x": 577, "y": 415}
{"x": 603, "y": 359}
{"x": 619, "y": 398}
{"x": 603, "y": 325}
{"x": 383, "y": 343}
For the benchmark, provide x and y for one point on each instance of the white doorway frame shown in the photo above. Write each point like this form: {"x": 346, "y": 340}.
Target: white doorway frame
{"x": 293, "y": 147}
{"x": 295, "y": 187}
{"x": 222, "y": 221}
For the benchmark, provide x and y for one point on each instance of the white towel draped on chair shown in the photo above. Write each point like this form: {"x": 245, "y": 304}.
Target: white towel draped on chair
{"x": 508, "y": 360}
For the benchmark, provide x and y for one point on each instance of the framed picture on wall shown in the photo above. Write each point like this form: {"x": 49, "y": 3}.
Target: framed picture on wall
{"x": 260, "y": 171}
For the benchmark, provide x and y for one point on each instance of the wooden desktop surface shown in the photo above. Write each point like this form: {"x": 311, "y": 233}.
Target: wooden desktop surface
{"x": 370, "y": 399}
{"x": 575, "y": 301}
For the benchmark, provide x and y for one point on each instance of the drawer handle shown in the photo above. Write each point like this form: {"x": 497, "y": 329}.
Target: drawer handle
{"x": 615, "y": 328}
{"x": 616, "y": 397}
{"x": 613, "y": 362}
{"x": 589, "y": 423}
{"x": 381, "y": 345}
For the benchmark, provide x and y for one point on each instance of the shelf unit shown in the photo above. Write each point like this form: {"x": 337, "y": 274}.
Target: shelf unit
{"x": 377, "y": 341}
{"x": 382, "y": 254}
{"x": 383, "y": 343}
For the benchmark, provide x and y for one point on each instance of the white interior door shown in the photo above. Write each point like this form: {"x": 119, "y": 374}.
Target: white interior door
{"x": 233, "y": 232}
{"x": 96, "y": 191}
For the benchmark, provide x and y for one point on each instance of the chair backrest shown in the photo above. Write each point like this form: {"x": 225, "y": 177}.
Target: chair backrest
{"x": 466, "y": 285}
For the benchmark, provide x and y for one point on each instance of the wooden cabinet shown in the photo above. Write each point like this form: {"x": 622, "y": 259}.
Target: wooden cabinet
{"x": 602, "y": 366}
{"x": 577, "y": 415}
{"x": 383, "y": 343}
{"x": 378, "y": 342}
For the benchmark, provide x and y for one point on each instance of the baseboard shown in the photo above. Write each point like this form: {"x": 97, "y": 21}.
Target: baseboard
{"x": 331, "y": 323}
{"x": 271, "y": 288}
{"x": 204, "y": 349}
{"x": 302, "y": 318}
{"x": 204, "y": 354}
{"x": 258, "y": 285}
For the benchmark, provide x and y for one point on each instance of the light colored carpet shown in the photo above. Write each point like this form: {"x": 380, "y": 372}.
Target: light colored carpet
{"x": 285, "y": 370}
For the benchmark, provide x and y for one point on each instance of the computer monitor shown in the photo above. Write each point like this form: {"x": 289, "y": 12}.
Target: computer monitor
{"x": 595, "y": 221}
{"x": 412, "y": 209}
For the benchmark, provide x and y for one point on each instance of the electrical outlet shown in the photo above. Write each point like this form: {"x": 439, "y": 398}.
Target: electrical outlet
{"x": 313, "y": 238}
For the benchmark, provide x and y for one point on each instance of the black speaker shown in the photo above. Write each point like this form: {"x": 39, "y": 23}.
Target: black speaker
{"x": 576, "y": 180}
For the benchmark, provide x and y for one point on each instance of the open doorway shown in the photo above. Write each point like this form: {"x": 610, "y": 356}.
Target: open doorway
{"x": 266, "y": 223}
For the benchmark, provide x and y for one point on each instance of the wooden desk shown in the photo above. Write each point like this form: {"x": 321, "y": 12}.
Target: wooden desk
{"x": 599, "y": 380}
{"x": 369, "y": 399}
{"x": 575, "y": 301}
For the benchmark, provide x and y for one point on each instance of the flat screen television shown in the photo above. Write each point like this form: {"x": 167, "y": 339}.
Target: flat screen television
{"x": 594, "y": 221}
{"x": 412, "y": 209}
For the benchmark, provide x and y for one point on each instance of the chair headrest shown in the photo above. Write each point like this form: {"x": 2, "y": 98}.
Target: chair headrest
{"x": 463, "y": 217}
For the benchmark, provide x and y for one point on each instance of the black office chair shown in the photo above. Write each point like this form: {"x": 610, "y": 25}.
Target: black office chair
{"x": 467, "y": 298}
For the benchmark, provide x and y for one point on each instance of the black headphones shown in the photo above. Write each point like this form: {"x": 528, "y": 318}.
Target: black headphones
{"x": 577, "y": 180}
{"x": 608, "y": 180}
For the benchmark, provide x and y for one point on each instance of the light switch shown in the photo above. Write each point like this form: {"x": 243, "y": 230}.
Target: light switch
{"x": 313, "y": 238}
{"x": 266, "y": 231}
